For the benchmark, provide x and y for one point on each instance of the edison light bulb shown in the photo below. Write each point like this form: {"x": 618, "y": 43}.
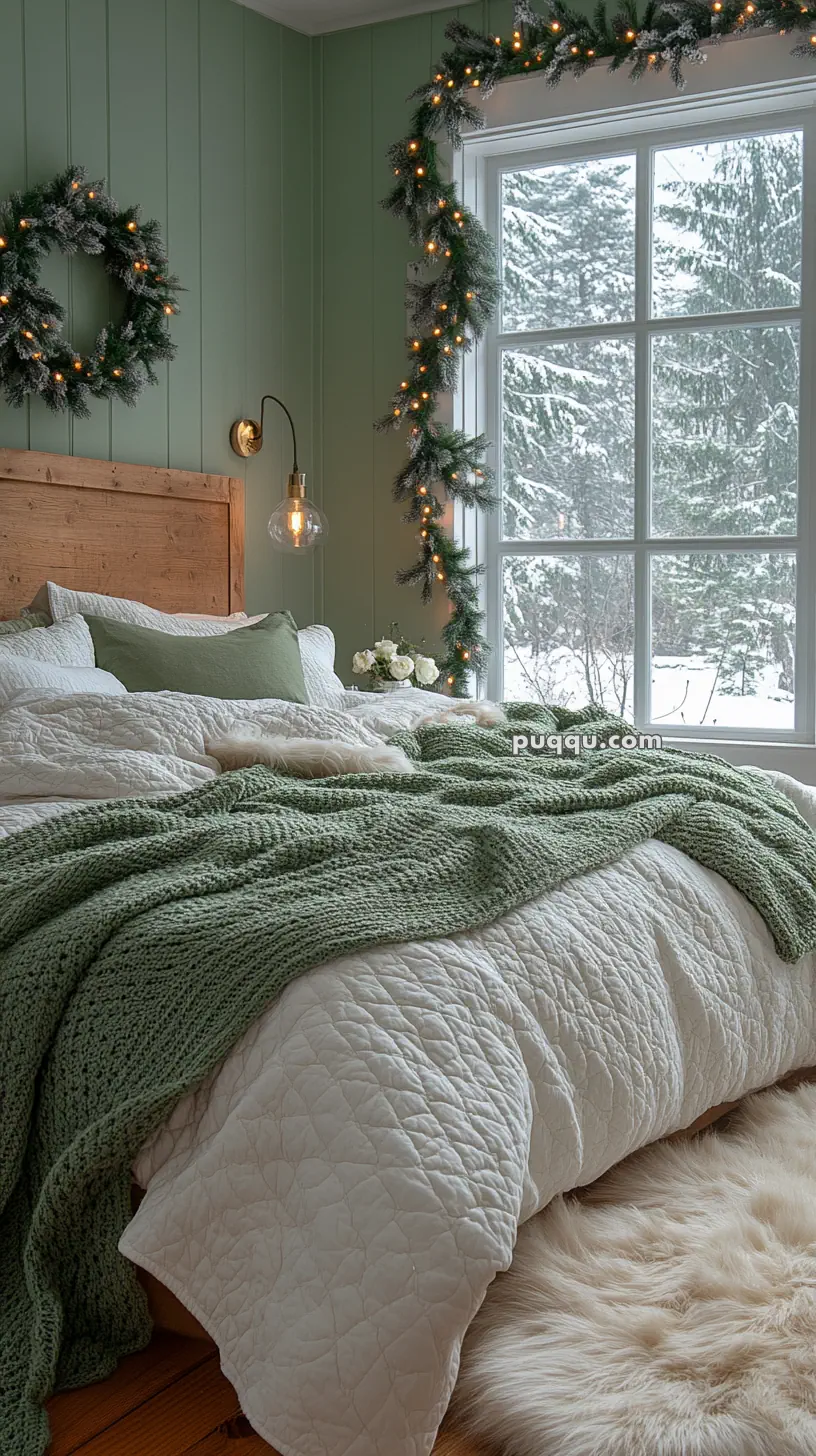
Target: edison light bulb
{"x": 297, "y": 524}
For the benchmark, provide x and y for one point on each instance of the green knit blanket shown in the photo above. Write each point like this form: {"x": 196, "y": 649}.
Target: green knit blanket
{"x": 139, "y": 940}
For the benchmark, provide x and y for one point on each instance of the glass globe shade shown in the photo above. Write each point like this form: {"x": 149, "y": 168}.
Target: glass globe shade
{"x": 297, "y": 525}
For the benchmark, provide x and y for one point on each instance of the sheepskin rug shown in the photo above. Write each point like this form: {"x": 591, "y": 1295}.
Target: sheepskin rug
{"x": 668, "y": 1311}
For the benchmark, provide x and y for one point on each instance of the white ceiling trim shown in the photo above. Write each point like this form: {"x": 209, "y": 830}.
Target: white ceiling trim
{"x": 319, "y": 17}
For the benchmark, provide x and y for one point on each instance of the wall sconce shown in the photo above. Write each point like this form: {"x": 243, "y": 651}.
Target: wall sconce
{"x": 296, "y": 524}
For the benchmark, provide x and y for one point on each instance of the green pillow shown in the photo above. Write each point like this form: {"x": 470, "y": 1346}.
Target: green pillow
{"x": 261, "y": 661}
{"x": 24, "y": 624}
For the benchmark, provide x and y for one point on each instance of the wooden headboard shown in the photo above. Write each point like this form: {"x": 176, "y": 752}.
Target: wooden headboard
{"x": 170, "y": 538}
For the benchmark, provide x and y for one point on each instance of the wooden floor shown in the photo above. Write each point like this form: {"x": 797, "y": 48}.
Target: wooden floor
{"x": 171, "y": 1400}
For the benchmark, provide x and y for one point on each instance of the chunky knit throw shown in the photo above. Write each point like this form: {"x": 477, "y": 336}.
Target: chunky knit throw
{"x": 139, "y": 940}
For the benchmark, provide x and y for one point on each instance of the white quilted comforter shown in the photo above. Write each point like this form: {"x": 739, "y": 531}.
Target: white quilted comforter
{"x": 333, "y": 1204}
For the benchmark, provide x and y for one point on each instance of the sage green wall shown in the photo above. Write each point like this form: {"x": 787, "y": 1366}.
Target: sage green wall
{"x": 364, "y": 76}
{"x": 202, "y": 112}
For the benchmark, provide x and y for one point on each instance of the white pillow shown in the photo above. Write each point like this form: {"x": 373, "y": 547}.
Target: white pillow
{"x": 68, "y": 644}
{"x": 323, "y": 687}
{"x": 26, "y": 677}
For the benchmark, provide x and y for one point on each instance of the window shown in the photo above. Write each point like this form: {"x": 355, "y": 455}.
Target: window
{"x": 648, "y": 387}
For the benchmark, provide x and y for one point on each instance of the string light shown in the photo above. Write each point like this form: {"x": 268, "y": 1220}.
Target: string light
{"x": 23, "y": 223}
{"x": 556, "y": 26}
{"x": 440, "y": 576}
{"x": 420, "y": 171}
{"x": 92, "y": 195}
{"x": 442, "y": 202}
{"x": 451, "y": 682}
{"x": 404, "y": 384}
{"x": 397, "y": 413}
{"x": 423, "y": 489}
{"x": 431, "y": 247}
{"x": 413, "y": 146}
{"x": 630, "y": 35}
{"x": 437, "y": 333}
{"x": 436, "y": 557}
{"x": 416, "y": 344}
{"x": 131, "y": 227}
{"x": 3, "y": 243}
{"x": 60, "y": 378}
{"x": 26, "y": 333}
{"x": 77, "y": 363}
{"x": 476, "y": 81}
{"x": 75, "y": 186}
{"x": 117, "y": 374}
{"x": 36, "y": 356}
{"x": 4, "y": 299}
{"x": 451, "y": 85}
{"x": 423, "y": 369}
{"x": 437, "y": 100}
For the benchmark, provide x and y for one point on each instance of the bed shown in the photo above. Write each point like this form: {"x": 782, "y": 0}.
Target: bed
{"x": 331, "y": 1204}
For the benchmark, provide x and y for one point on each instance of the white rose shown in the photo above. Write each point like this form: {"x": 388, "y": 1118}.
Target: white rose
{"x": 363, "y": 661}
{"x": 386, "y": 649}
{"x": 401, "y": 667}
{"x": 426, "y": 670}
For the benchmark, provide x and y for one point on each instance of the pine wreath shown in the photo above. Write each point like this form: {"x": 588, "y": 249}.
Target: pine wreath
{"x": 75, "y": 215}
{"x": 452, "y": 308}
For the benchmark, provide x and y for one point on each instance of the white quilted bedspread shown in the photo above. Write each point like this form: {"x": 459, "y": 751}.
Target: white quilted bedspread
{"x": 333, "y": 1204}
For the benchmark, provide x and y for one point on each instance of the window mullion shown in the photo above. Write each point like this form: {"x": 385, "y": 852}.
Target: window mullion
{"x": 805, "y": 659}
{"x": 643, "y": 254}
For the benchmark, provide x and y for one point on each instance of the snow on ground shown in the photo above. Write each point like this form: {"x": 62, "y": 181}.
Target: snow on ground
{"x": 684, "y": 690}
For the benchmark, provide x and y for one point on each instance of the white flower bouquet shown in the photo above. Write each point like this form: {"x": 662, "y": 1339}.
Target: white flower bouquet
{"x": 394, "y": 663}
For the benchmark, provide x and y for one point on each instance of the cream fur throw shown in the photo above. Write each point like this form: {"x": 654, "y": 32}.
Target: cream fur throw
{"x": 671, "y": 1312}
{"x": 317, "y": 758}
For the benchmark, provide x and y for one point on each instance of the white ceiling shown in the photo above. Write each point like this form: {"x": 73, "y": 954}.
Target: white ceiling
{"x": 317, "y": 17}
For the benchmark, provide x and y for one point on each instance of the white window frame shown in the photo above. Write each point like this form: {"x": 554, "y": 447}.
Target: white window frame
{"x": 751, "y": 87}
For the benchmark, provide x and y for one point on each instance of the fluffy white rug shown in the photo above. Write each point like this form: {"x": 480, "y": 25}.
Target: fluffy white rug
{"x": 669, "y": 1312}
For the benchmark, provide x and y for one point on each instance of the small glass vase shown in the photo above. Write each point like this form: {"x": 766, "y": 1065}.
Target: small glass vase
{"x": 380, "y": 685}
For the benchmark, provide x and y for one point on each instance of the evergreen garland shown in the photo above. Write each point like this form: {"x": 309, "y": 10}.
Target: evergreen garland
{"x": 453, "y": 308}
{"x": 77, "y": 216}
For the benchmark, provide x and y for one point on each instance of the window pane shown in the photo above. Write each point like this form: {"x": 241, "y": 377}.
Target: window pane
{"x": 728, "y": 225}
{"x": 723, "y": 639}
{"x": 725, "y": 438}
{"x": 568, "y": 244}
{"x": 568, "y": 437}
{"x": 569, "y": 630}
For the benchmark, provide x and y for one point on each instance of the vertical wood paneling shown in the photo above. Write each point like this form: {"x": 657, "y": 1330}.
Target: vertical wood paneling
{"x": 352, "y": 178}
{"x": 91, "y": 297}
{"x": 182, "y": 106}
{"x": 264, "y": 307}
{"x": 297, "y": 275}
{"x": 223, "y": 229}
{"x": 13, "y": 422}
{"x": 46, "y": 113}
{"x": 184, "y": 231}
{"x": 138, "y": 173}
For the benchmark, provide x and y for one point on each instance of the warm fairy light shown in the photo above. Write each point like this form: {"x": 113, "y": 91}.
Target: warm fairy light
{"x": 4, "y": 298}
{"x": 437, "y": 332}
{"x": 427, "y": 510}
{"x": 36, "y": 356}
{"x": 750, "y": 9}
{"x": 476, "y": 81}
{"x": 459, "y": 339}
{"x": 446, "y": 349}
{"x": 77, "y": 363}
{"x": 457, "y": 216}
{"x": 454, "y": 475}
{"x": 516, "y": 45}
{"x": 424, "y": 535}
{"x": 431, "y": 247}
{"x": 23, "y": 223}
{"x": 437, "y": 100}
{"x": 450, "y": 682}
{"x": 469, "y": 295}
{"x": 440, "y": 576}
{"x": 92, "y": 195}
{"x": 26, "y": 333}
{"x": 60, "y": 378}
{"x": 590, "y": 53}
{"x": 416, "y": 344}
{"x": 413, "y": 146}
{"x": 443, "y": 308}
{"x": 131, "y": 227}
{"x": 556, "y": 25}
{"x": 468, "y": 70}
{"x": 397, "y": 413}
{"x": 423, "y": 369}
{"x": 75, "y": 186}
{"x": 574, "y": 50}
{"x": 436, "y": 558}
{"x": 498, "y": 40}
{"x": 423, "y": 490}
{"x": 451, "y": 85}
{"x": 2, "y": 242}
{"x": 447, "y": 252}
{"x": 168, "y": 309}
{"x": 442, "y": 202}
{"x": 117, "y": 374}
{"x": 652, "y": 59}
{"x": 396, "y": 171}
{"x": 403, "y": 384}
{"x": 466, "y": 656}
{"x": 439, "y": 76}
{"x": 630, "y": 35}
{"x": 420, "y": 171}
{"x": 425, "y": 394}
{"x": 414, "y": 404}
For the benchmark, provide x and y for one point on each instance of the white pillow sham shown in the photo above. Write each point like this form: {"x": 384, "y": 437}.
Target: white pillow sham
{"x": 26, "y": 677}
{"x": 67, "y": 644}
{"x": 324, "y": 688}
